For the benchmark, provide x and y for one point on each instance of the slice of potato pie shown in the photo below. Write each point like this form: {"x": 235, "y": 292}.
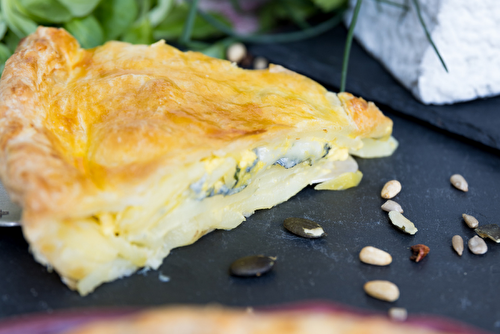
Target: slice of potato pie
{"x": 120, "y": 153}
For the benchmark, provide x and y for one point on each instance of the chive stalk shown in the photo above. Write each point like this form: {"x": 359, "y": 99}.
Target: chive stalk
{"x": 274, "y": 38}
{"x": 427, "y": 34}
{"x": 348, "y": 43}
{"x": 299, "y": 21}
{"x": 188, "y": 25}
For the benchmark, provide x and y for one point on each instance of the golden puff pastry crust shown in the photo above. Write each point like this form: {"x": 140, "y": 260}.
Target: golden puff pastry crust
{"x": 216, "y": 320}
{"x": 90, "y": 141}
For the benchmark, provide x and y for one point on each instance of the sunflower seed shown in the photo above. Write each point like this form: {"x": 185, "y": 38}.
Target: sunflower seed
{"x": 459, "y": 182}
{"x": 419, "y": 252}
{"x": 392, "y": 206}
{"x": 383, "y": 290}
{"x": 477, "y": 245}
{"x": 402, "y": 222}
{"x": 491, "y": 231}
{"x": 304, "y": 228}
{"x": 163, "y": 278}
{"x": 470, "y": 221}
{"x": 458, "y": 244}
{"x": 391, "y": 189}
{"x": 398, "y": 313}
{"x": 236, "y": 52}
{"x": 254, "y": 265}
{"x": 375, "y": 256}
{"x": 260, "y": 63}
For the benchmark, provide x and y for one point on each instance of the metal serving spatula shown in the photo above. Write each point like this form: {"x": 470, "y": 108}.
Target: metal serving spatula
{"x": 10, "y": 213}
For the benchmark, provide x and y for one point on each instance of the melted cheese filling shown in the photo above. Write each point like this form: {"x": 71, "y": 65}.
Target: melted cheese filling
{"x": 223, "y": 191}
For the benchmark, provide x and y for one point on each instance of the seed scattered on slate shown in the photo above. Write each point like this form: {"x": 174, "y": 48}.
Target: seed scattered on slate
{"x": 260, "y": 63}
{"x": 477, "y": 245}
{"x": 402, "y": 222}
{"x": 254, "y": 265}
{"x": 304, "y": 228}
{"x": 391, "y": 189}
{"x": 491, "y": 231}
{"x": 236, "y": 52}
{"x": 398, "y": 313}
{"x": 470, "y": 221}
{"x": 419, "y": 252}
{"x": 383, "y": 290}
{"x": 392, "y": 206}
{"x": 375, "y": 256}
{"x": 458, "y": 244}
{"x": 459, "y": 182}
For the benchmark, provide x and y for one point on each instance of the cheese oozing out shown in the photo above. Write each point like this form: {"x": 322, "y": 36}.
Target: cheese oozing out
{"x": 216, "y": 193}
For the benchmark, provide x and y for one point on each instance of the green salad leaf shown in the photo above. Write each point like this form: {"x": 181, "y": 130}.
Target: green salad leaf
{"x": 141, "y": 32}
{"x": 5, "y": 53}
{"x": 171, "y": 28}
{"x": 16, "y": 20}
{"x": 86, "y": 30}
{"x": 11, "y": 40}
{"x": 216, "y": 50}
{"x": 159, "y": 13}
{"x": 329, "y": 5}
{"x": 80, "y": 8}
{"x": 285, "y": 10}
{"x": 3, "y": 26}
{"x": 46, "y": 11}
{"x": 145, "y": 7}
{"x": 116, "y": 16}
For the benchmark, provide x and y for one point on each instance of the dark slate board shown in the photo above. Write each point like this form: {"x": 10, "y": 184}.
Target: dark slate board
{"x": 443, "y": 284}
{"x": 321, "y": 59}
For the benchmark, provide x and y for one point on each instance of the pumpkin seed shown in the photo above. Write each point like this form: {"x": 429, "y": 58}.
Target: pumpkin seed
{"x": 459, "y": 182}
{"x": 458, "y": 244}
{"x": 254, "y": 265}
{"x": 402, "y": 223}
{"x": 304, "y": 228}
{"x": 491, "y": 231}
{"x": 375, "y": 256}
{"x": 398, "y": 313}
{"x": 477, "y": 245}
{"x": 419, "y": 252}
{"x": 470, "y": 221}
{"x": 391, "y": 189}
{"x": 390, "y": 205}
{"x": 383, "y": 290}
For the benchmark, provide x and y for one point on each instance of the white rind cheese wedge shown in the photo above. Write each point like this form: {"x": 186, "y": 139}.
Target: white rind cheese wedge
{"x": 466, "y": 34}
